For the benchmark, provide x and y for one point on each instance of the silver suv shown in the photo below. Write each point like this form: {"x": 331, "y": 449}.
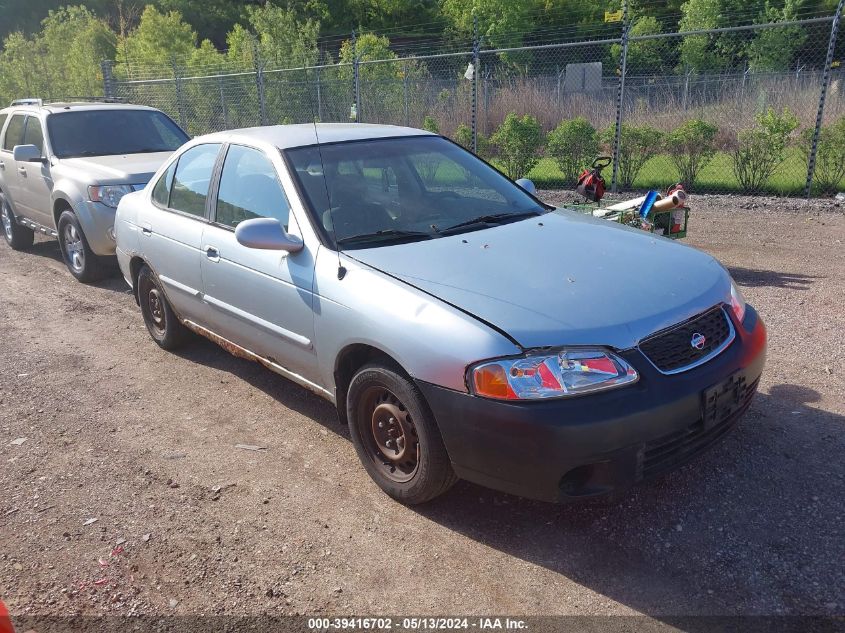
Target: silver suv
{"x": 65, "y": 166}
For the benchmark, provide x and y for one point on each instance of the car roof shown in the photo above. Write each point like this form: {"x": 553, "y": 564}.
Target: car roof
{"x": 303, "y": 134}
{"x": 76, "y": 106}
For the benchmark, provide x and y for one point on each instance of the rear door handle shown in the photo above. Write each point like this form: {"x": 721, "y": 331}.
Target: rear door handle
{"x": 212, "y": 253}
{"x": 147, "y": 229}
{"x": 2, "y": 165}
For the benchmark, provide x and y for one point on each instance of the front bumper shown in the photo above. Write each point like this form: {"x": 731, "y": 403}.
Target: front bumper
{"x": 595, "y": 444}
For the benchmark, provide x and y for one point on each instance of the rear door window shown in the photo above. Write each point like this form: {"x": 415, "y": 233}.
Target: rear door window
{"x": 193, "y": 176}
{"x": 34, "y": 134}
{"x": 14, "y": 132}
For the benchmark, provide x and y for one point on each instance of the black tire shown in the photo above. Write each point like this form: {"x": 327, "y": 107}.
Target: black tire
{"x": 80, "y": 260}
{"x": 162, "y": 323}
{"x": 17, "y": 236}
{"x": 383, "y": 406}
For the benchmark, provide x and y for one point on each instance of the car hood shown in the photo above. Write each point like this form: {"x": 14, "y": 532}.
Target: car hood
{"x": 121, "y": 168}
{"x": 561, "y": 279}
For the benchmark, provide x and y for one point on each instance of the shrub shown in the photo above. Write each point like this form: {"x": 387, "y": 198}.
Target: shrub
{"x": 830, "y": 155}
{"x": 638, "y": 144}
{"x": 691, "y": 146}
{"x": 518, "y": 141}
{"x": 463, "y": 137}
{"x": 430, "y": 125}
{"x": 573, "y": 144}
{"x": 760, "y": 150}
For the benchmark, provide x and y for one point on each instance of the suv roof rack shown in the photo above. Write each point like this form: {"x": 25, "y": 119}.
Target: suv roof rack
{"x": 27, "y": 101}
{"x": 88, "y": 99}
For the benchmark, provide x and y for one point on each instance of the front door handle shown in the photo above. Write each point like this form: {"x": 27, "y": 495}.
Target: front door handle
{"x": 212, "y": 253}
{"x": 22, "y": 171}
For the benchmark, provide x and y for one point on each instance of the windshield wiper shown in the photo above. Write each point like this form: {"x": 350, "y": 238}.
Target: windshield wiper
{"x": 494, "y": 218}
{"x": 384, "y": 234}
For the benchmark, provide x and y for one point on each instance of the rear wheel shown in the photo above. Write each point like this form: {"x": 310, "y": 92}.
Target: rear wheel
{"x": 17, "y": 236}
{"x": 81, "y": 261}
{"x": 396, "y": 437}
{"x": 162, "y": 323}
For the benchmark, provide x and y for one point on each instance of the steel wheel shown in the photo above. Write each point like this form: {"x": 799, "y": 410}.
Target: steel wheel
{"x": 156, "y": 309}
{"x": 391, "y": 437}
{"x": 7, "y": 221}
{"x": 74, "y": 248}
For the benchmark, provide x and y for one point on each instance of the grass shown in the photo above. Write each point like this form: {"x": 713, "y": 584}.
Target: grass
{"x": 659, "y": 173}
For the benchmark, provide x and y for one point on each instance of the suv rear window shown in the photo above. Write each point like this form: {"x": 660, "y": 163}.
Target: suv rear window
{"x": 112, "y": 132}
{"x": 14, "y": 133}
{"x": 2, "y": 121}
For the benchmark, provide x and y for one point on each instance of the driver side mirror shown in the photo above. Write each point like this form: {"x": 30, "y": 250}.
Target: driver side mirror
{"x": 266, "y": 234}
{"x": 527, "y": 185}
{"x": 27, "y": 154}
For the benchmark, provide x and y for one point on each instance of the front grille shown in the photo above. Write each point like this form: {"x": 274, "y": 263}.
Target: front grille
{"x": 671, "y": 350}
{"x": 670, "y": 451}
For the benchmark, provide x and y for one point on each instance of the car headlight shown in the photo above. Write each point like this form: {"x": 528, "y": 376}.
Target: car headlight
{"x": 737, "y": 302}
{"x": 567, "y": 372}
{"x": 109, "y": 195}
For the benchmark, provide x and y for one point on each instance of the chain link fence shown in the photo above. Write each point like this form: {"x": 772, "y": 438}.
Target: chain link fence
{"x": 667, "y": 107}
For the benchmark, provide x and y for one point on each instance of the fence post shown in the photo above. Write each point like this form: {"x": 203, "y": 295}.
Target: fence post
{"x": 621, "y": 96}
{"x": 405, "y": 94}
{"x": 258, "y": 63}
{"x": 180, "y": 102}
{"x": 108, "y": 79}
{"x": 319, "y": 95}
{"x": 828, "y": 64}
{"x": 475, "y": 60}
{"x": 356, "y": 80}
{"x": 223, "y": 103}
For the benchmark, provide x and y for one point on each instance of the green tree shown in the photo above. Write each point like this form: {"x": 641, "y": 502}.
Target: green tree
{"x": 387, "y": 88}
{"x": 691, "y": 147}
{"x": 637, "y": 145}
{"x": 518, "y": 141}
{"x": 645, "y": 56}
{"x": 212, "y": 19}
{"x": 774, "y": 49}
{"x": 501, "y": 23}
{"x": 573, "y": 144}
{"x": 760, "y": 150}
{"x": 62, "y": 60}
{"x": 160, "y": 41}
{"x": 430, "y": 125}
{"x": 830, "y": 155}
{"x": 463, "y": 137}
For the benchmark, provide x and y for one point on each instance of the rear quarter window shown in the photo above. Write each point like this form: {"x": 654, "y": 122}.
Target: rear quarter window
{"x": 14, "y": 132}
{"x": 3, "y": 118}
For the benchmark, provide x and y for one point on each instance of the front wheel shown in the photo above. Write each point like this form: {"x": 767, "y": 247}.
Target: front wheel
{"x": 162, "y": 323}
{"x": 17, "y": 236}
{"x": 81, "y": 261}
{"x": 396, "y": 437}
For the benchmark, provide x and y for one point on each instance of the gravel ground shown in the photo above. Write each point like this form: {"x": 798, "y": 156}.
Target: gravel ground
{"x": 129, "y": 496}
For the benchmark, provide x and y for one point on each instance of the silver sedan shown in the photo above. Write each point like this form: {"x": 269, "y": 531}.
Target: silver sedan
{"x": 463, "y": 328}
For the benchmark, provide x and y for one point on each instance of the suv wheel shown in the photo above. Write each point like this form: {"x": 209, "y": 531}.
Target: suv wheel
{"x": 162, "y": 323}
{"x": 396, "y": 437}
{"x": 81, "y": 261}
{"x": 17, "y": 236}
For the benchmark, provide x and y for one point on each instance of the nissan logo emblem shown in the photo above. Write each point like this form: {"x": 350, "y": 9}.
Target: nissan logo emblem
{"x": 697, "y": 341}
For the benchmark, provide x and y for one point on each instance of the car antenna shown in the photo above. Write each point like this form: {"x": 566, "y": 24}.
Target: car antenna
{"x": 341, "y": 269}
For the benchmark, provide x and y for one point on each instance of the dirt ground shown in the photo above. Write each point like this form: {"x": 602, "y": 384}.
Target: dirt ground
{"x": 129, "y": 496}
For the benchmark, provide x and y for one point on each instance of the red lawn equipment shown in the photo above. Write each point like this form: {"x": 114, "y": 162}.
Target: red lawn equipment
{"x": 591, "y": 185}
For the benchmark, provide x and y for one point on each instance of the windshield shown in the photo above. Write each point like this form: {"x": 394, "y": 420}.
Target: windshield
{"x": 112, "y": 132}
{"x": 382, "y": 191}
